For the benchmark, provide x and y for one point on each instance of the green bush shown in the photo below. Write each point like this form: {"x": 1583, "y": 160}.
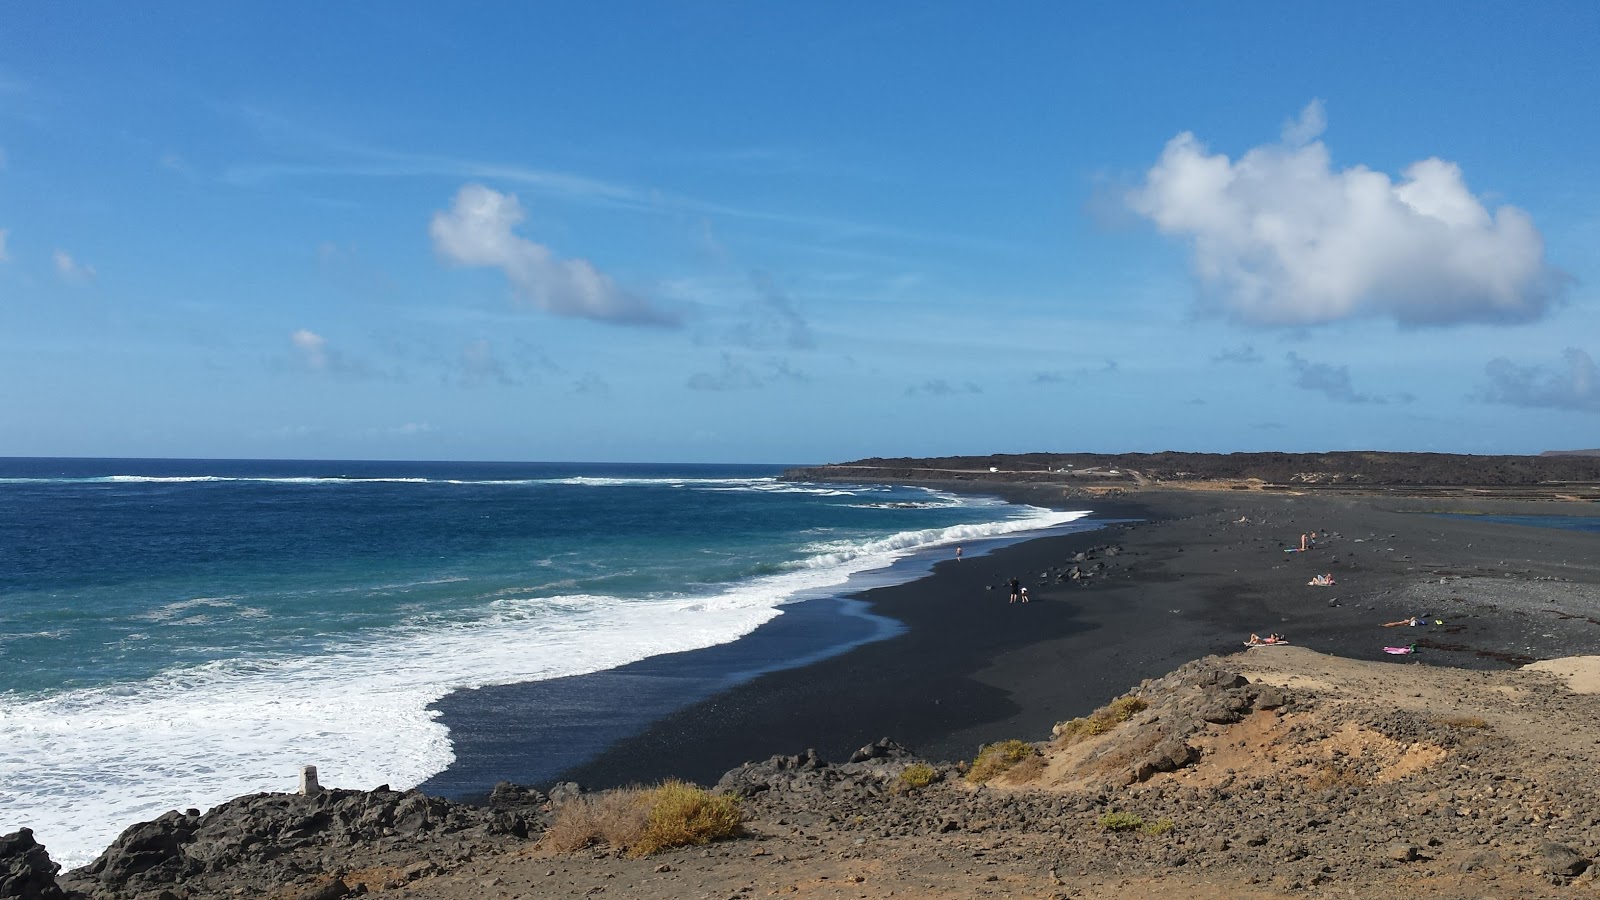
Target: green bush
{"x": 1121, "y": 821}
{"x": 1101, "y": 720}
{"x": 918, "y": 775}
{"x": 1158, "y": 827}
{"x": 994, "y": 759}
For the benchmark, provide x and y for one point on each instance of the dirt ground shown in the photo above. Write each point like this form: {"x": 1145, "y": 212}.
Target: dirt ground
{"x": 1509, "y": 755}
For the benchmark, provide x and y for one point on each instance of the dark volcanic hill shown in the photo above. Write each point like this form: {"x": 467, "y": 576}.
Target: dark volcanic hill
{"x": 1552, "y": 474}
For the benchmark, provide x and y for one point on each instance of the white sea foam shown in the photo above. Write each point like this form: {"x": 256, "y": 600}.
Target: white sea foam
{"x": 80, "y": 766}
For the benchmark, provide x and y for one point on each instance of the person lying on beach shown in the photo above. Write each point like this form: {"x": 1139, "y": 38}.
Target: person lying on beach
{"x": 1413, "y": 622}
{"x": 1322, "y": 580}
{"x": 1257, "y": 640}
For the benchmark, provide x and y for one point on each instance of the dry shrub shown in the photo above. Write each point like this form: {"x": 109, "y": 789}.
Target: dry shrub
{"x": 1026, "y": 771}
{"x": 1101, "y": 720}
{"x": 1465, "y": 722}
{"x": 682, "y": 815}
{"x": 993, "y": 759}
{"x": 615, "y": 817}
{"x": 1329, "y": 775}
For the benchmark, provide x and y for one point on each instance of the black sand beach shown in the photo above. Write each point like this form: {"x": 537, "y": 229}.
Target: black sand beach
{"x": 1194, "y": 575}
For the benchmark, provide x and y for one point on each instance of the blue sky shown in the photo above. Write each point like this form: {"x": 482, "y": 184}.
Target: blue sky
{"x": 796, "y": 233}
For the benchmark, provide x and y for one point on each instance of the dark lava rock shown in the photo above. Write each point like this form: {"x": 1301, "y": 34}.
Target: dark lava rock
{"x": 261, "y": 842}
{"x": 1558, "y": 859}
{"x": 882, "y": 748}
{"x": 26, "y": 869}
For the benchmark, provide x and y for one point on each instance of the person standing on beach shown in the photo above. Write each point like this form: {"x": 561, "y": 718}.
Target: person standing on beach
{"x": 1024, "y": 595}
{"x": 1016, "y": 590}
{"x": 958, "y": 554}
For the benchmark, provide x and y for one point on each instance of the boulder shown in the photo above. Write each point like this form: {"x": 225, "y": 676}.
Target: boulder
{"x": 1559, "y": 859}
{"x": 26, "y": 869}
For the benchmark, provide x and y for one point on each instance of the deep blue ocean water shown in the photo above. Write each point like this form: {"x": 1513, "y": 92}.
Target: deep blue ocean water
{"x": 175, "y": 633}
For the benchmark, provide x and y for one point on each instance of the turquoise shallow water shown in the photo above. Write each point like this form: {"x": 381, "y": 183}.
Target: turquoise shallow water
{"x": 1565, "y": 523}
{"x": 201, "y": 628}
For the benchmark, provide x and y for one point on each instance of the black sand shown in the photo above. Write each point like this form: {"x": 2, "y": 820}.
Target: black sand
{"x": 1195, "y": 576}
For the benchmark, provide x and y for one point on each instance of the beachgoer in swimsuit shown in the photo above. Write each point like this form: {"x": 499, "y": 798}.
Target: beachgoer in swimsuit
{"x": 1412, "y": 622}
{"x": 958, "y": 554}
{"x": 1016, "y": 590}
{"x": 1024, "y": 595}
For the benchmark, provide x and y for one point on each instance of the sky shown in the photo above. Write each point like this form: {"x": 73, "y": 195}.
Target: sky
{"x": 796, "y": 233}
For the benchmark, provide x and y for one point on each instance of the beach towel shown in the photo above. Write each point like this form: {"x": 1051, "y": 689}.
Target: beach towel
{"x": 1400, "y": 651}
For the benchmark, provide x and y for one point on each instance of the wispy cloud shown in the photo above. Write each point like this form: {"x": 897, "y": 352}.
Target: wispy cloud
{"x": 1572, "y": 385}
{"x": 1072, "y": 376}
{"x": 1280, "y": 237}
{"x": 591, "y": 383}
{"x": 324, "y": 154}
{"x": 70, "y": 270}
{"x": 939, "y": 387}
{"x": 311, "y": 353}
{"x": 735, "y": 375}
{"x": 1243, "y": 354}
{"x": 771, "y": 320}
{"x": 477, "y": 231}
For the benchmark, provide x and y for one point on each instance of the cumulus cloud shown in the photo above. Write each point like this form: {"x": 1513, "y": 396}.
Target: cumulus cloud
{"x": 71, "y": 270}
{"x": 1573, "y": 385}
{"x": 1334, "y": 382}
{"x": 1281, "y": 237}
{"x": 477, "y": 231}
{"x": 939, "y": 387}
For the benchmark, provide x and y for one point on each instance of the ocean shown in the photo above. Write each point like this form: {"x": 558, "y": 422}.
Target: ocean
{"x": 176, "y": 633}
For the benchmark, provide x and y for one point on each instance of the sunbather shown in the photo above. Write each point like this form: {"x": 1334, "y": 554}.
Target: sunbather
{"x": 1412, "y": 622}
{"x": 1322, "y": 580}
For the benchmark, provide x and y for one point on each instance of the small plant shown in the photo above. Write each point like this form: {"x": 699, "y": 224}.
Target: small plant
{"x": 683, "y": 815}
{"x": 1158, "y": 827}
{"x": 993, "y": 759}
{"x": 1101, "y": 720}
{"x": 917, "y": 776}
{"x": 615, "y": 817}
{"x": 1121, "y": 821}
{"x": 644, "y": 821}
{"x": 1029, "y": 770}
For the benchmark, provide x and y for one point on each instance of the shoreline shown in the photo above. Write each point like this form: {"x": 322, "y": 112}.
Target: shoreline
{"x": 1189, "y": 582}
{"x": 538, "y": 732}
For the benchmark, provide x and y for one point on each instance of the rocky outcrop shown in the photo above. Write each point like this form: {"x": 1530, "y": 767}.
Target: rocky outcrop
{"x": 26, "y": 869}
{"x": 265, "y": 841}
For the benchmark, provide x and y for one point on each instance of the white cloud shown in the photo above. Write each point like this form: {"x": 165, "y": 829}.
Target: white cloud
{"x": 313, "y": 349}
{"x": 1576, "y": 386}
{"x": 1280, "y": 237}
{"x": 312, "y": 354}
{"x": 477, "y": 231}
{"x": 71, "y": 270}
